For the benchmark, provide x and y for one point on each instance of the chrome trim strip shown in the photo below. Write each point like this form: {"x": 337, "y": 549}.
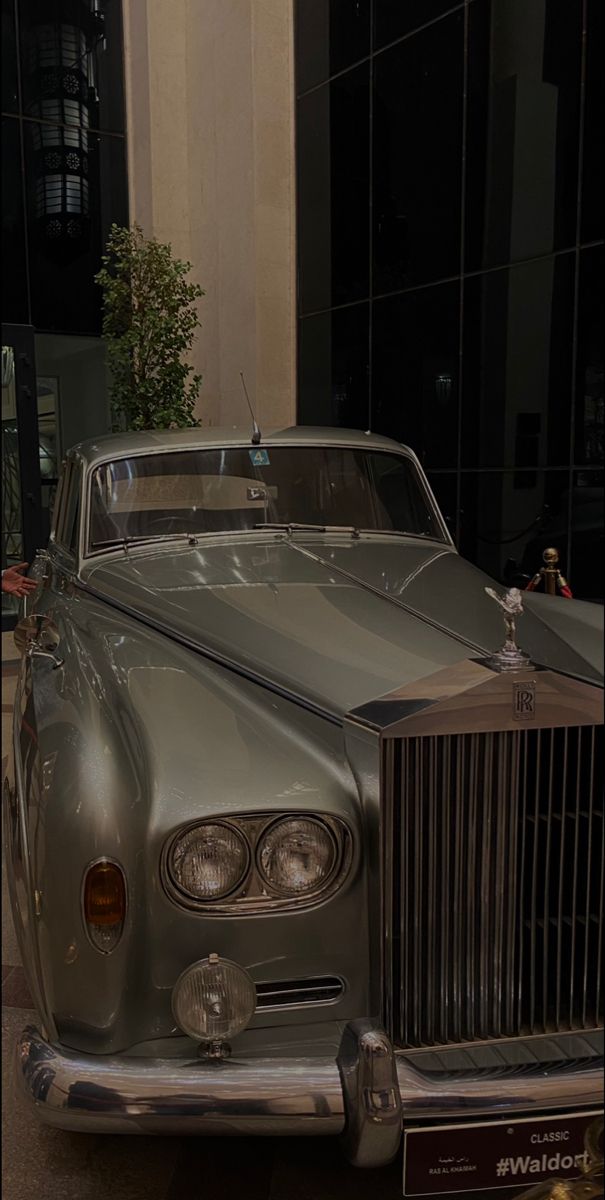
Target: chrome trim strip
{"x": 320, "y": 990}
{"x": 302, "y": 1095}
{"x": 454, "y": 1096}
{"x": 89, "y": 468}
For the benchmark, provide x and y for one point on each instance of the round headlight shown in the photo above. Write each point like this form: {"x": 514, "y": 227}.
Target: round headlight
{"x": 213, "y": 1000}
{"x": 296, "y": 855}
{"x": 209, "y": 861}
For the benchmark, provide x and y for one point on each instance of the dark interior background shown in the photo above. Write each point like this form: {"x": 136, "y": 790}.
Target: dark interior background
{"x": 450, "y": 258}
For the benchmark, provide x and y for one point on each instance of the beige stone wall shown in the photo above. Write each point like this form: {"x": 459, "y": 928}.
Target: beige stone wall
{"x": 210, "y": 111}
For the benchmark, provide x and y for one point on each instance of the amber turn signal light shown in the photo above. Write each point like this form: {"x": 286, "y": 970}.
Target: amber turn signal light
{"x": 104, "y": 904}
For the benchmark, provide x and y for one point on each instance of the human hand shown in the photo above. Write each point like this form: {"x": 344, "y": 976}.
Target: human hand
{"x": 15, "y": 583}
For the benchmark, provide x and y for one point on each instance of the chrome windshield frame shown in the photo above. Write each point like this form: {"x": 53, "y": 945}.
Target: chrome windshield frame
{"x": 87, "y": 553}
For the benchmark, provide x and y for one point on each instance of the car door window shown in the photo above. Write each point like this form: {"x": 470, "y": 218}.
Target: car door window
{"x": 58, "y": 505}
{"x": 68, "y": 519}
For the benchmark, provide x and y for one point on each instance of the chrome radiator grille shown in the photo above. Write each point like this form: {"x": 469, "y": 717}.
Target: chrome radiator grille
{"x": 492, "y": 856}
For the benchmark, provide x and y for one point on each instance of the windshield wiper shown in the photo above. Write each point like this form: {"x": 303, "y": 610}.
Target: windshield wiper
{"x": 295, "y": 527}
{"x": 398, "y": 533}
{"x": 125, "y": 542}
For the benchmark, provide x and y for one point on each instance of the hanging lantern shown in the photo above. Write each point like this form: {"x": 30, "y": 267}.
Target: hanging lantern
{"x": 62, "y": 95}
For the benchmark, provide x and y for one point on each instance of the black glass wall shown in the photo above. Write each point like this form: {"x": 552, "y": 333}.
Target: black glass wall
{"x": 64, "y": 183}
{"x": 450, "y": 257}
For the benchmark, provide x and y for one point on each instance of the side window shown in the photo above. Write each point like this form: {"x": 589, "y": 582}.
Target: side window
{"x": 68, "y": 516}
{"x": 59, "y": 501}
{"x": 71, "y": 530}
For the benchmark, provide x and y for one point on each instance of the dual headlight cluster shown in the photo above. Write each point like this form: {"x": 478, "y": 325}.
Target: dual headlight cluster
{"x": 289, "y": 857}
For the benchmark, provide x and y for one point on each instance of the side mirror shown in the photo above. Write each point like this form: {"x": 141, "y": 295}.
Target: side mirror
{"x": 38, "y": 635}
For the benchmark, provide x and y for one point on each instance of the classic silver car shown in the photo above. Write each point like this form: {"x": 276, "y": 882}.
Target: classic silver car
{"x": 295, "y": 844}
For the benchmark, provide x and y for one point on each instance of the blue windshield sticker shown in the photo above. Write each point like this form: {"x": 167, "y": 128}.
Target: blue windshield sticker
{"x": 260, "y": 458}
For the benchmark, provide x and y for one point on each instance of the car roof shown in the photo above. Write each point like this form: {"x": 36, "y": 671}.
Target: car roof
{"x": 125, "y": 445}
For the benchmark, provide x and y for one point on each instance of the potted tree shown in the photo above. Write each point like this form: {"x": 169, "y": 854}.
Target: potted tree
{"x": 149, "y": 323}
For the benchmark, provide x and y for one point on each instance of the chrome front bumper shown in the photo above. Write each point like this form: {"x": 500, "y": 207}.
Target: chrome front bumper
{"x": 367, "y": 1094}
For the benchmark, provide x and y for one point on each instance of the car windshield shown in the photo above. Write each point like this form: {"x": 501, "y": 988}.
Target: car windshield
{"x": 213, "y": 491}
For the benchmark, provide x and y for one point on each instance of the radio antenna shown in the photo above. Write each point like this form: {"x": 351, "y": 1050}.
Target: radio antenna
{"x": 255, "y": 428}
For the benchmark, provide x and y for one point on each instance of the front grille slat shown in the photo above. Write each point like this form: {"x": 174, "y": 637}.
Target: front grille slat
{"x": 453, "y": 886}
{"x": 521, "y": 983}
{"x": 513, "y": 821}
{"x": 534, "y": 888}
{"x": 599, "y": 921}
{"x": 486, "y": 909}
{"x": 496, "y": 880}
{"x": 589, "y": 837}
{"x": 574, "y": 891}
{"x": 559, "y": 981}
{"x": 544, "y": 923}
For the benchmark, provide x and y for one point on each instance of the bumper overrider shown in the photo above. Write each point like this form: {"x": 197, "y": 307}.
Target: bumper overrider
{"x": 366, "y": 1094}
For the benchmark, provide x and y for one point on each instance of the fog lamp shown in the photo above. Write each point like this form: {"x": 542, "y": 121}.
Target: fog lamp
{"x": 213, "y": 1000}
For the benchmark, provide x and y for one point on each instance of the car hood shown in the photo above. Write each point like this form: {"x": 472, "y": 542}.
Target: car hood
{"x": 333, "y": 621}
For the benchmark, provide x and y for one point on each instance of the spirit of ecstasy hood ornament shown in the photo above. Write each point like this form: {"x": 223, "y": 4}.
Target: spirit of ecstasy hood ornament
{"x": 510, "y": 657}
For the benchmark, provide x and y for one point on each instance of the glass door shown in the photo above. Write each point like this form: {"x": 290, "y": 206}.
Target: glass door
{"x": 22, "y": 525}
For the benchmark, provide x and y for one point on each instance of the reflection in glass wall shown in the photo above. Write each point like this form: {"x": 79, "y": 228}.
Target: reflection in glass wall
{"x": 481, "y": 282}
{"x": 12, "y": 535}
{"x": 64, "y": 183}
{"x": 64, "y": 167}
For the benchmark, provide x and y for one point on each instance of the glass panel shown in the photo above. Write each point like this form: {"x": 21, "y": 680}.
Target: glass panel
{"x": 334, "y": 368}
{"x": 504, "y": 530}
{"x": 417, "y": 157}
{"x": 333, "y": 192}
{"x": 68, "y": 526}
{"x": 12, "y": 531}
{"x": 76, "y": 187}
{"x": 593, "y": 201}
{"x": 523, "y": 129}
{"x": 71, "y": 62}
{"x": 587, "y": 536}
{"x": 47, "y": 388}
{"x": 445, "y": 488}
{"x": 394, "y": 18}
{"x": 518, "y": 341}
{"x": 58, "y": 499}
{"x": 330, "y": 35}
{"x": 9, "y": 58}
{"x": 74, "y": 368}
{"x": 590, "y": 402}
{"x": 203, "y": 491}
{"x": 415, "y": 371}
{"x": 14, "y": 273}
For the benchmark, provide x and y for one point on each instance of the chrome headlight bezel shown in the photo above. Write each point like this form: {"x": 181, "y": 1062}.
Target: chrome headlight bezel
{"x": 183, "y": 834}
{"x": 254, "y": 894}
{"x": 275, "y": 825}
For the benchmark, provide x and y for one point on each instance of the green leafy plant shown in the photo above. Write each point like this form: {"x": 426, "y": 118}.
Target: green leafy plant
{"x": 149, "y": 323}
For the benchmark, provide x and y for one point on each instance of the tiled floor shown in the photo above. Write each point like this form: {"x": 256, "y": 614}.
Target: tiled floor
{"x": 50, "y": 1165}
